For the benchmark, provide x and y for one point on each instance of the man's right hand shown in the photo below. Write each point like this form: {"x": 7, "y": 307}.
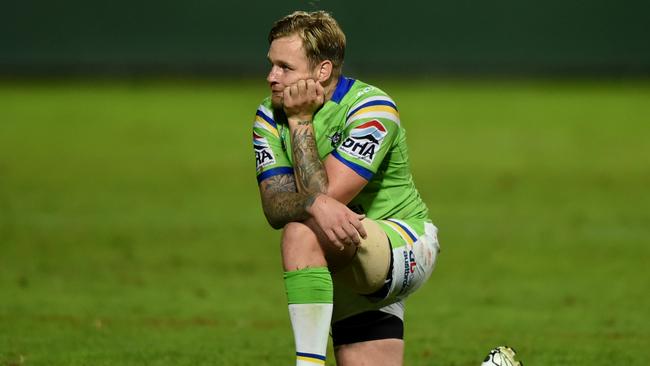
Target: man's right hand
{"x": 341, "y": 225}
{"x": 302, "y": 99}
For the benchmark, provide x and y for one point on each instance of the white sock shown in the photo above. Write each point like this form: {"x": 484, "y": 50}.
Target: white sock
{"x": 311, "y": 324}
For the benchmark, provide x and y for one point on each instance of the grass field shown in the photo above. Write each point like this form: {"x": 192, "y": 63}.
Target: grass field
{"x": 131, "y": 231}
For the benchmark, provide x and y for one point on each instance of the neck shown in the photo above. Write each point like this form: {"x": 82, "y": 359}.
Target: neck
{"x": 330, "y": 87}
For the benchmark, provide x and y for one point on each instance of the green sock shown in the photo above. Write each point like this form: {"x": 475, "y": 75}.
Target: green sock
{"x": 310, "y": 294}
{"x": 309, "y": 286}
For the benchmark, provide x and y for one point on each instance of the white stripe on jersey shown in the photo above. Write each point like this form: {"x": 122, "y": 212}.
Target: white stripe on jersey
{"x": 373, "y": 114}
{"x": 267, "y": 112}
{"x": 265, "y": 126}
{"x": 372, "y": 99}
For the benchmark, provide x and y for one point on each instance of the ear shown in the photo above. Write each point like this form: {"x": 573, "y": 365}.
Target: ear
{"x": 324, "y": 71}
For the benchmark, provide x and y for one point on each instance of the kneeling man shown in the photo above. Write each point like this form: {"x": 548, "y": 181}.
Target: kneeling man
{"x": 333, "y": 173}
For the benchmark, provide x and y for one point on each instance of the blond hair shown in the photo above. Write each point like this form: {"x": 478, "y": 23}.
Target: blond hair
{"x": 322, "y": 38}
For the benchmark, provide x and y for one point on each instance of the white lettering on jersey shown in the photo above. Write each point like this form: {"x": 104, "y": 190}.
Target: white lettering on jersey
{"x": 364, "y": 91}
{"x": 263, "y": 153}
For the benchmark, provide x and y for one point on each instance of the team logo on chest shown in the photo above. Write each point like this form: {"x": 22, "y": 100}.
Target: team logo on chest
{"x": 263, "y": 153}
{"x": 364, "y": 141}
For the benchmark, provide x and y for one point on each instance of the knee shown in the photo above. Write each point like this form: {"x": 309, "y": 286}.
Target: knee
{"x": 295, "y": 233}
{"x": 300, "y": 248}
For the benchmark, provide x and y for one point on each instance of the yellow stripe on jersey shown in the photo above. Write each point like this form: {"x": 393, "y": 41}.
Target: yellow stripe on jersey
{"x": 375, "y": 112}
{"x": 377, "y": 108}
{"x": 400, "y": 231}
{"x": 262, "y": 123}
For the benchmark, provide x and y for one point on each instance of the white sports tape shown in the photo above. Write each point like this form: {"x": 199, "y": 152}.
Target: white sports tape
{"x": 369, "y": 267}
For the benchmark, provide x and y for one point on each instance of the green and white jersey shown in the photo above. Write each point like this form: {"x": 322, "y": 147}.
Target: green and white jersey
{"x": 359, "y": 126}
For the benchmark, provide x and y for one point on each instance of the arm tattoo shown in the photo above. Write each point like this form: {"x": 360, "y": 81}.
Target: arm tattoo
{"x": 310, "y": 173}
{"x": 281, "y": 183}
{"x": 282, "y": 202}
{"x": 286, "y": 197}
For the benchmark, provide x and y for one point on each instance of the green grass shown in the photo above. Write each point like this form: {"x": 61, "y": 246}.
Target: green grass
{"x": 131, "y": 231}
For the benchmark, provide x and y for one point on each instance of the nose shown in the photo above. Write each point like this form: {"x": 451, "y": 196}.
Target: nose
{"x": 272, "y": 77}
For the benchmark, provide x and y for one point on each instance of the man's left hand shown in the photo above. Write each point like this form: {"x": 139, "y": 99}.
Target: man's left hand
{"x": 341, "y": 225}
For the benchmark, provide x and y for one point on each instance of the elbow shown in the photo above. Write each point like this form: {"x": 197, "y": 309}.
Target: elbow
{"x": 277, "y": 225}
{"x": 275, "y": 222}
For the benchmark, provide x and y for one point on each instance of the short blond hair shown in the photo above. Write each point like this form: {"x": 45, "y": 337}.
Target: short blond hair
{"x": 322, "y": 37}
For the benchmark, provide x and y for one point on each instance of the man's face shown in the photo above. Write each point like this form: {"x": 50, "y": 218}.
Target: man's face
{"x": 288, "y": 65}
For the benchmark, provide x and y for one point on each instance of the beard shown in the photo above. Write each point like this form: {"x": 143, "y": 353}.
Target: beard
{"x": 277, "y": 102}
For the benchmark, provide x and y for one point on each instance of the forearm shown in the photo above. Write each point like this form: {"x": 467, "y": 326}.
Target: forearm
{"x": 311, "y": 176}
{"x": 286, "y": 199}
{"x": 287, "y": 207}
{"x": 281, "y": 201}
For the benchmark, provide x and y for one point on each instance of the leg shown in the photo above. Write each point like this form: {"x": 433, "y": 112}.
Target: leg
{"x": 368, "y": 270}
{"x": 303, "y": 246}
{"x": 309, "y": 291}
{"x": 306, "y": 254}
{"x": 300, "y": 248}
{"x": 369, "y": 338}
{"x": 383, "y": 352}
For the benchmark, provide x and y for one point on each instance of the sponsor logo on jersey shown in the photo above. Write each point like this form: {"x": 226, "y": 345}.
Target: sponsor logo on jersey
{"x": 412, "y": 263}
{"x": 263, "y": 153}
{"x": 409, "y": 268}
{"x": 364, "y": 141}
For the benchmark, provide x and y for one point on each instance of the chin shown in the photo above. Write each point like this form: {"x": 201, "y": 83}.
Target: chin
{"x": 276, "y": 103}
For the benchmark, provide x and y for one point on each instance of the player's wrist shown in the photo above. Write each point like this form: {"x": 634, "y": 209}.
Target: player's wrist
{"x": 300, "y": 119}
{"x": 312, "y": 203}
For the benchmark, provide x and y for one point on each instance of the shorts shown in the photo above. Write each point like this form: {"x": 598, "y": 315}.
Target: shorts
{"x": 415, "y": 249}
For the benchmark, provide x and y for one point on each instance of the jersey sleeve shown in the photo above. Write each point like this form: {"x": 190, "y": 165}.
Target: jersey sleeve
{"x": 270, "y": 158}
{"x": 371, "y": 127}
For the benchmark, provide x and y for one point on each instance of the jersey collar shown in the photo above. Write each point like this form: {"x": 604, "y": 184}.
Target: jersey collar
{"x": 342, "y": 88}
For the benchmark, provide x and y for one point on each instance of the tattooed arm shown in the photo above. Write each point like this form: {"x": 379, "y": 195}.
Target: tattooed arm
{"x": 335, "y": 219}
{"x": 301, "y": 101}
{"x": 285, "y": 199}
{"x": 281, "y": 201}
{"x": 311, "y": 177}
{"x": 303, "y": 196}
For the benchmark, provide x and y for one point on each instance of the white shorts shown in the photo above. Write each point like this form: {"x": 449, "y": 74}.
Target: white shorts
{"x": 412, "y": 264}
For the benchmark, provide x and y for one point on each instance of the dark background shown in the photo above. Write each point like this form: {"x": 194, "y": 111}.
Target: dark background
{"x": 207, "y": 37}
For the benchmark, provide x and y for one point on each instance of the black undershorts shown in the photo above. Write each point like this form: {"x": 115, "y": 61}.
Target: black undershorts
{"x": 367, "y": 326}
